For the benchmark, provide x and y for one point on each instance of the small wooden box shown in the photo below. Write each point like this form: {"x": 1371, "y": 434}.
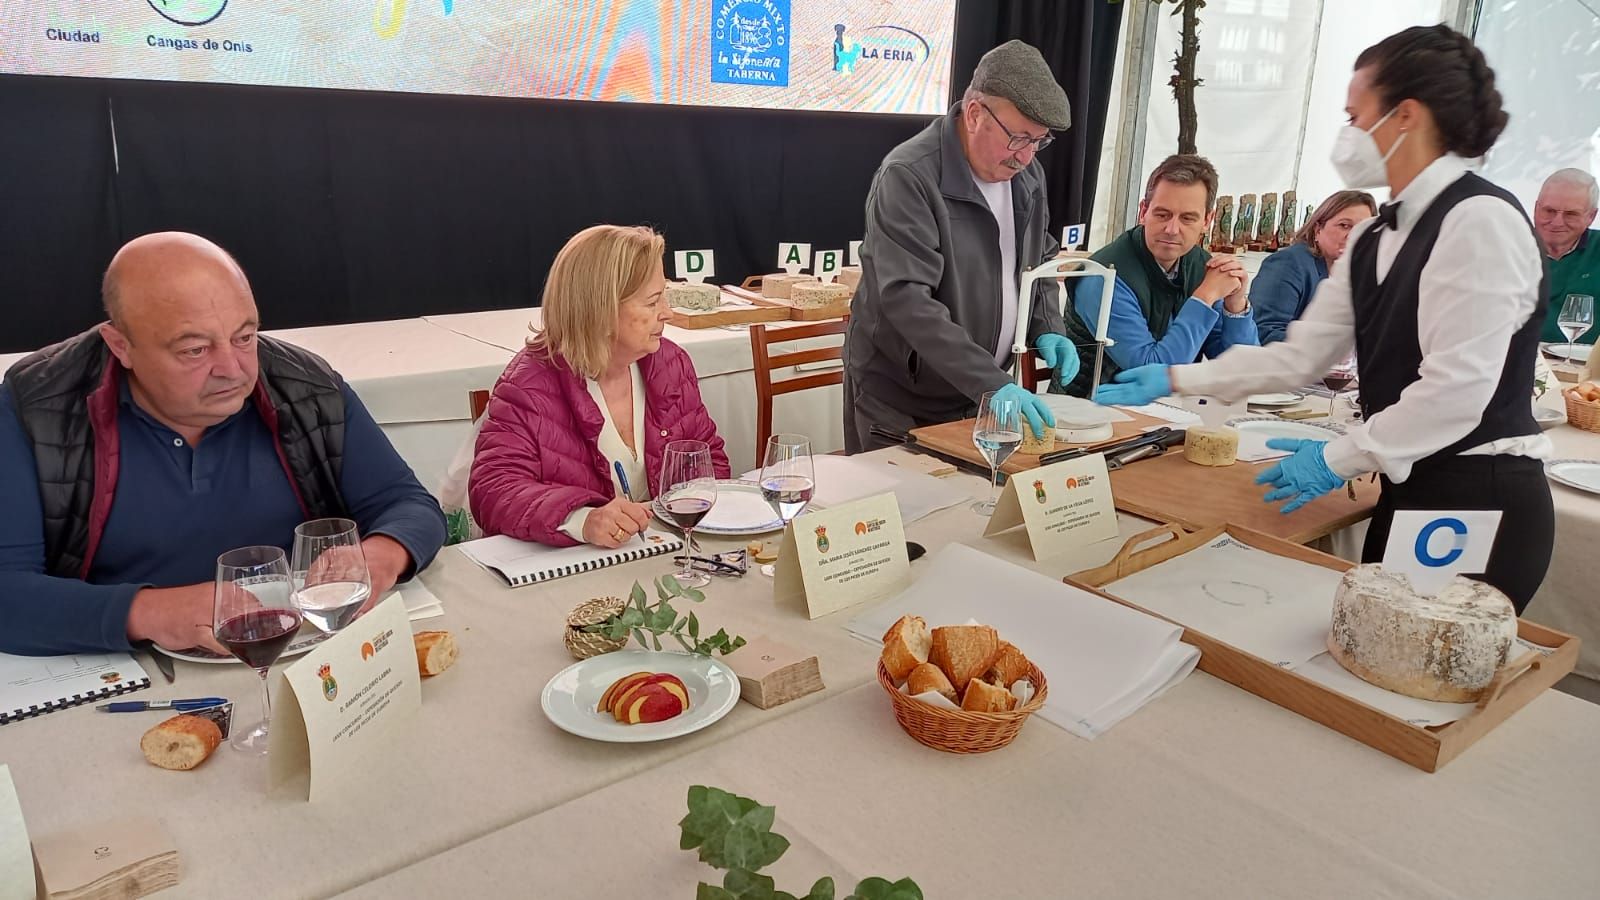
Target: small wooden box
{"x": 1427, "y": 748}
{"x": 771, "y": 673}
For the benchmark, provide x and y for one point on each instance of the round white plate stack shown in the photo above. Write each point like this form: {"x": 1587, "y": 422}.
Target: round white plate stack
{"x": 739, "y": 511}
{"x": 1582, "y": 474}
{"x": 572, "y": 698}
{"x": 1274, "y": 427}
{"x": 308, "y": 637}
{"x": 1283, "y": 398}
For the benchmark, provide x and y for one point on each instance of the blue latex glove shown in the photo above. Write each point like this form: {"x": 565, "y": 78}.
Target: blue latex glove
{"x": 1058, "y": 353}
{"x": 1136, "y": 386}
{"x": 1304, "y": 477}
{"x": 1038, "y": 416}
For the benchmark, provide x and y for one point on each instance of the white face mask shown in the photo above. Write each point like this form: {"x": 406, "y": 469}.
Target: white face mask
{"x": 1356, "y": 158}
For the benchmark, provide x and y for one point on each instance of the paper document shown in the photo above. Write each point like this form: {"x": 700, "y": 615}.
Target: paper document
{"x": 1264, "y": 604}
{"x": 1101, "y": 660}
{"x": 1326, "y": 671}
{"x": 16, "y": 855}
{"x": 1166, "y": 413}
{"x": 420, "y": 602}
{"x": 1082, "y": 411}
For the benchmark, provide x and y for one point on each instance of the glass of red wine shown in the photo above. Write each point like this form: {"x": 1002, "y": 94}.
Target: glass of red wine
{"x": 1338, "y": 378}
{"x": 688, "y": 491}
{"x": 255, "y": 617}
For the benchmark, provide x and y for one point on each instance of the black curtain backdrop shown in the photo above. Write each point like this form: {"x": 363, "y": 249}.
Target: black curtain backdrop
{"x": 356, "y": 206}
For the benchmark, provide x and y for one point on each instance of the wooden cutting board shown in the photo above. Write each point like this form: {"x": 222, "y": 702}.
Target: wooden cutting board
{"x": 763, "y": 311}
{"x": 955, "y": 439}
{"x": 1172, "y": 489}
{"x": 795, "y": 313}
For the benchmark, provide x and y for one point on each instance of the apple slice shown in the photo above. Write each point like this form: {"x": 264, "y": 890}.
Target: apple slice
{"x": 652, "y": 703}
{"x": 617, "y": 687}
{"x": 624, "y": 694}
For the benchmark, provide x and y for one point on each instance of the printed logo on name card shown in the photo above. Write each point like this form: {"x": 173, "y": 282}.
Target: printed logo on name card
{"x": 330, "y": 688}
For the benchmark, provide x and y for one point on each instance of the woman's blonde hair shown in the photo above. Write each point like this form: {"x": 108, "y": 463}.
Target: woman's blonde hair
{"x": 598, "y": 267}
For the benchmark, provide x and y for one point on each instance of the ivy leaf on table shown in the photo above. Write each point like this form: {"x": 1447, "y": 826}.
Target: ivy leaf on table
{"x": 883, "y": 889}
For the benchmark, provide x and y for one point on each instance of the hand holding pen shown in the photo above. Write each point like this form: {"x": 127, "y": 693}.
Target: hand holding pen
{"x": 613, "y": 524}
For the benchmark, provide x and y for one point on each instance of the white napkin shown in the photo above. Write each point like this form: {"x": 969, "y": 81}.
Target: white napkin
{"x": 421, "y": 603}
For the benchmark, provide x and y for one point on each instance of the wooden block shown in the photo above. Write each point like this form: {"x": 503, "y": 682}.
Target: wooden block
{"x": 771, "y": 673}
{"x": 120, "y": 859}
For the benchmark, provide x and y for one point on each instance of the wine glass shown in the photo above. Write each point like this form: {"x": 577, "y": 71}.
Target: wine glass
{"x": 254, "y": 616}
{"x": 788, "y": 477}
{"x": 1577, "y": 316}
{"x": 1338, "y": 378}
{"x": 997, "y": 432}
{"x": 688, "y": 491}
{"x": 329, "y": 573}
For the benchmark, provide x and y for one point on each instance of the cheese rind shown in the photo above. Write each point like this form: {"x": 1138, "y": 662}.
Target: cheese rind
{"x": 1446, "y": 647}
{"x": 777, "y": 284}
{"x": 1208, "y": 446}
{"x": 814, "y": 294}
{"x": 692, "y": 296}
{"x": 1037, "y": 445}
{"x": 851, "y": 276}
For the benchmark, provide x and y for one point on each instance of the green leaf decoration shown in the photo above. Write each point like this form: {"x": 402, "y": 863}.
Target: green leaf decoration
{"x": 746, "y": 885}
{"x": 822, "y": 890}
{"x": 882, "y": 889}
{"x": 637, "y": 595}
{"x": 672, "y": 584}
{"x": 712, "y": 892}
{"x": 694, "y": 627}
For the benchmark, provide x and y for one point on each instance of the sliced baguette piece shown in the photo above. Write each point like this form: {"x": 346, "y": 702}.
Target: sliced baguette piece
{"x": 905, "y": 646}
{"x": 981, "y": 696}
{"x": 929, "y": 677}
{"x": 181, "y": 742}
{"x": 436, "y": 651}
{"x": 964, "y": 652}
{"x": 1008, "y": 667}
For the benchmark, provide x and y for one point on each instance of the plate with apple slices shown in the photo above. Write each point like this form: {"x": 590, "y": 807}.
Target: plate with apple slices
{"x": 633, "y": 696}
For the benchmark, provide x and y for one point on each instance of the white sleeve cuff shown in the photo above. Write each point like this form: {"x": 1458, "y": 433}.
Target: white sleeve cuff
{"x": 572, "y": 525}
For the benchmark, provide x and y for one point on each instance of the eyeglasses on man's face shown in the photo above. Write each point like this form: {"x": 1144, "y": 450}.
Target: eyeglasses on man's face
{"x": 1019, "y": 141}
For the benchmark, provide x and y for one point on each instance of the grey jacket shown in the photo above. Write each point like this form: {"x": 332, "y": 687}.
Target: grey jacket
{"x": 927, "y": 312}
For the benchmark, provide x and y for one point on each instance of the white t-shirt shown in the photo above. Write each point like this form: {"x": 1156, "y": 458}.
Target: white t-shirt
{"x": 998, "y": 195}
{"x": 615, "y": 450}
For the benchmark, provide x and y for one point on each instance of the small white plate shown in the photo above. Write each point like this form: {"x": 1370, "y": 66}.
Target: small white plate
{"x": 739, "y": 510}
{"x": 1284, "y": 398}
{"x": 1583, "y": 474}
{"x": 1255, "y": 431}
{"x": 1579, "y": 353}
{"x": 308, "y": 637}
{"x": 571, "y": 699}
{"x": 1548, "y": 417}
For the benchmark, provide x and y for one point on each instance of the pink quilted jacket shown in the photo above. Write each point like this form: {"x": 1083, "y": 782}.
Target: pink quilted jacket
{"x": 537, "y": 458}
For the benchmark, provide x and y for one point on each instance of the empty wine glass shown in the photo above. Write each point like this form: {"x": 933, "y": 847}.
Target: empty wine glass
{"x": 1577, "y": 316}
{"x": 788, "y": 476}
{"x": 997, "y": 432}
{"x": 1338, "y": 378}
{"x": 329, "y": 573}
{"x": 254, "y": 616}
{"x": 688, "y": 491}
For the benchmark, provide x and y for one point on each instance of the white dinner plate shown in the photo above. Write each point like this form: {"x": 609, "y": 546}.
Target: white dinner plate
{"x": 1583, "y": 474}
{"x": 1548, "y": 417}
{"x": 739, "y": 510}
{"x": 1274, "y": 427}
{"x": 1283, "y": 398}
{"x": 1579, "y": 353}
{"x": 308, "y": 637}
{"x": 571, "y": 699}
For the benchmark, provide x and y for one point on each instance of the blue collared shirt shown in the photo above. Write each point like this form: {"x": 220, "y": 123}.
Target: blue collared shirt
{"x": 177, "y": 507}
{"x": 1197, "y": 328}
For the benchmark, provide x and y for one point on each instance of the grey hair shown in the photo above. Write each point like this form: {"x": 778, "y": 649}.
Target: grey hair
{"x": 1577, "y": 178}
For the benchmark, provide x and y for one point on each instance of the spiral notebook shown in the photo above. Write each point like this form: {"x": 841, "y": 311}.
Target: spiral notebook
{"x": 35, "y": 685}
{"x": 522, "y": 562}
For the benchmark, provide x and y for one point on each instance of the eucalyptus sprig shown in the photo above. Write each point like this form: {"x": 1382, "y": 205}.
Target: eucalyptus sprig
{"x": 649, "y": 622}
{"x": 734, "y": 834}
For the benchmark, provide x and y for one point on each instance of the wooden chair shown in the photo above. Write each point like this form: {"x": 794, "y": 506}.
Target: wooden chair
{"x": 765, "y": 363}
{"x": 478, "y": 402}
{"x": 1034, "y": 372}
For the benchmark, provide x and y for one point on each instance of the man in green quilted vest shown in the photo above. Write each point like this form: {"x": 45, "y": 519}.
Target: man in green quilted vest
{"x": 1562, "y": 216}
{"x": 1173, "y": 302}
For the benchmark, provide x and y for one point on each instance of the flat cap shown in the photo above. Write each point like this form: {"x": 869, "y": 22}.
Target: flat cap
{"x": 1017, "y": 72}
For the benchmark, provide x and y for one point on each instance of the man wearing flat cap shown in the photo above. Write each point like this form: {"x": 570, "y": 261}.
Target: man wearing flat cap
{"x": 954, "y": 216}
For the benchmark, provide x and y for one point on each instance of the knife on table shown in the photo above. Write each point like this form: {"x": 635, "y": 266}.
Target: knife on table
{"x": 163, "y": 662}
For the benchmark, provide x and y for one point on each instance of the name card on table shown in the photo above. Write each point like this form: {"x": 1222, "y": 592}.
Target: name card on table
{"x": 1431, "y": 547}
{"x": 694, "y": 266}
{"x": 844, "y": 555}
{"x": 792, "y": 258}
{"x": 347, "y": 699}
{"x": 1064, "y": 505}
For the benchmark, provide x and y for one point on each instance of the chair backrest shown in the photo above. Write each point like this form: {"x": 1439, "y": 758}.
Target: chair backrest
{"x": 478, "y": 402}
{"x": 1034, "y": 372}
{"x": 766, "y": 362}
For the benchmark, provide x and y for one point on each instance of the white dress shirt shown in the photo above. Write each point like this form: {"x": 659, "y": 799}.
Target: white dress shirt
{"x": 998, "y": 195}
{"x": 1479, "y": 286}
{"x": 615, "y": 450}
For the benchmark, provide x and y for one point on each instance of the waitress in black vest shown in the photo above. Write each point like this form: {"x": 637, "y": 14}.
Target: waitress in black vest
{"x": 1441, "y": 296}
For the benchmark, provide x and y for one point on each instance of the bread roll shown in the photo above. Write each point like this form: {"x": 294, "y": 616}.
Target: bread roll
{"x": 984, "y": 697}
{"x": 929, "y": 677}
{"x": 181, "y": 742}
{"x": 964, "y": 652}
{"x": 436, "y": 651}
{"x": 1008, "y": 667}
{"x": 905, "y": 646}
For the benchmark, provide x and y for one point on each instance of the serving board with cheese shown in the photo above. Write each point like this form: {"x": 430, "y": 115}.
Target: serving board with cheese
{"x": 752, "y": 290}
{"x": 1527, "y": 672}
{"x": 955, "y": 439}
{"x": 733, "y": 309}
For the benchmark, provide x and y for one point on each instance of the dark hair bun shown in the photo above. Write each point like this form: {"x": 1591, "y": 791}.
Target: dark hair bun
{"x": 1443, "y": 70}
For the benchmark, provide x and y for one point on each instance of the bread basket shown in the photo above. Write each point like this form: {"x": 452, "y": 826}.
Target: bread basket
{"x": 584, "y": 644}
{"x": 1581, "y": 413}
{"x": 957, "y": 730}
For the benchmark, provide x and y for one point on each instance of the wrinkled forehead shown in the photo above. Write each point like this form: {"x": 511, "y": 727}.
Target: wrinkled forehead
{"x": 164, "y": 303}
{"x": 1564, "y": 196}
{"x": 1178, "y": 199}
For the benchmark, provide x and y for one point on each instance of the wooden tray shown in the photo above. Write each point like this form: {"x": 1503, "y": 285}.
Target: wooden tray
{"x": 1427, "y": 748}
{"x": 1171, "y": 489}
{"x": 764, "y": 311}
{"x": 795, "y": 313}
{"x": 955, "y": 439}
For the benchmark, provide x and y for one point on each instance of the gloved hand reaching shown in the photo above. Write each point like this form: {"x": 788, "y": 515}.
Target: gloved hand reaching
{"x": 1059, "y": 353}
{"x": 1033, "y": 410}
{"x": 1136, "y": 386}
{"x": 1304, "y": 477}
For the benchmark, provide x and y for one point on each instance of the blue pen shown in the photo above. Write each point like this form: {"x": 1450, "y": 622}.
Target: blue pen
{"x": 622, "y": 479}
{"x": 178, "y": 705}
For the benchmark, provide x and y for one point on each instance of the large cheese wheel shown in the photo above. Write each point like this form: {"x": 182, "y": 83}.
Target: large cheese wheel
{"x": 777, "y": 284}
{"x": 814, "y": 294}
{"x": 692, "y": 296}
{"x": 1036, "y": 445}
{"x": 851, "y": 276}
{"x": 1444, "y": 647}
{"x": 1207, "y": 446}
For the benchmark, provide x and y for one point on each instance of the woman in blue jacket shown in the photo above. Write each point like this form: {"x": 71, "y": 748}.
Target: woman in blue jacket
{"x": 1288, "y": 278}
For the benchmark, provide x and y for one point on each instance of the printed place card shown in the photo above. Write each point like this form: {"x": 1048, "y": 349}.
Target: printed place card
{"x": 1063, "y": 505}
{"x": 844, "y": 555}
{"x": 1432, "y": 547}
{"x": 346, "y": 699}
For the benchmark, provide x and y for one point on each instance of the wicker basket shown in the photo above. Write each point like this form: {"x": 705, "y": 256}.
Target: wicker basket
{"x": 1582, "y": 413}
{"x": 957, "y": 730}
{"x": 584, "y": 644}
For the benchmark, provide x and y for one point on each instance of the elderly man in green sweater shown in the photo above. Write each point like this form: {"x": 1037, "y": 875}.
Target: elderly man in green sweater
{"x": 1562, "y": 216}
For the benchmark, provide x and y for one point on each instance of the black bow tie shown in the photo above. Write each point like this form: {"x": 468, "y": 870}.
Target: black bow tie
{"x": 1389, "y": 216}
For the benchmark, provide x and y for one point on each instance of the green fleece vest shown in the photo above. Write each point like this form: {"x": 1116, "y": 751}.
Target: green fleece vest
{"x": 1159, "y": 297}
